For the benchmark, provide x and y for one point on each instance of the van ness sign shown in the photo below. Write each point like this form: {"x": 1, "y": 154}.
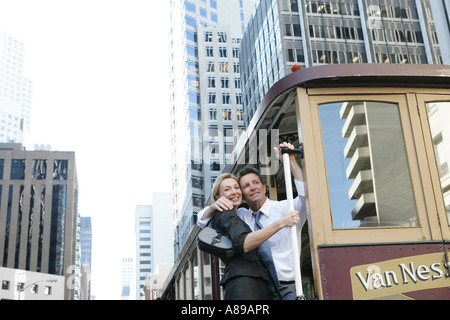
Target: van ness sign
{"x": 387, "y": 271}
{"x": 393, "y": 277}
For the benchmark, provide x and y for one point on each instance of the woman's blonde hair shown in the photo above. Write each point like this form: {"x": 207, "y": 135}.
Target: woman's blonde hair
{"x": 216, "y": 185}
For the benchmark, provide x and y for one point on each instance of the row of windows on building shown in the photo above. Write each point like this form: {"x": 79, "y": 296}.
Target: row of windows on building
{"x": 226, "y": 115}
{"x": 38, "y": 170}
{"x": 20, "y": 286}
{"x": 384, "y": 10}
{"x": 211, "y": 83}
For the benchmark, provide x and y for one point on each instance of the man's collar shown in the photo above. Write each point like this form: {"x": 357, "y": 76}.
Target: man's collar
{"x": 265, "y": 208}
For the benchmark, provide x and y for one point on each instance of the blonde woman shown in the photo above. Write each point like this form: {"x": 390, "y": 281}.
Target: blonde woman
{"x": 246, "y": 275}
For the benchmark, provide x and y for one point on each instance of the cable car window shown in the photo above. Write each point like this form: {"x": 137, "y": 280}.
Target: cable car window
{"x": 367, "y": 169}
{"x": 438, "y": 115}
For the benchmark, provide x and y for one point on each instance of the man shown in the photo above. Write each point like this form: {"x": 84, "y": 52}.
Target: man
{"x": 254, "y": 193}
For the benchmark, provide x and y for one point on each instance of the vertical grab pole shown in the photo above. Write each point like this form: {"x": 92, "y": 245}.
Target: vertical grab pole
{"x": 290, "y": 199}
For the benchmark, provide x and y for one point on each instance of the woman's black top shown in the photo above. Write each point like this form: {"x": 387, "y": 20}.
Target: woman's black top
{"x": 241, "y": 264}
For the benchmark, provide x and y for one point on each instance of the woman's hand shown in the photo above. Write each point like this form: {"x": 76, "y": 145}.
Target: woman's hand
{"x": 290, "y": 218}
{"x": 222, "y": 204}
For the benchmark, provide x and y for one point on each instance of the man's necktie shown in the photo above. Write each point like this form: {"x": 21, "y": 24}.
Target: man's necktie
{"x": 264, "y": 252}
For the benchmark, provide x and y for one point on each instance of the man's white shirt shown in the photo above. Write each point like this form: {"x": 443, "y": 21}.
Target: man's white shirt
{"x": 280, "y": 242}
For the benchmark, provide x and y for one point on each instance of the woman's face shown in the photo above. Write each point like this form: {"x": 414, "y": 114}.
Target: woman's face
{"x": 229, "y": 188}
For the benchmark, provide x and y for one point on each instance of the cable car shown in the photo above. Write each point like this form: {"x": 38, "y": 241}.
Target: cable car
{"x": 376, "y": 141}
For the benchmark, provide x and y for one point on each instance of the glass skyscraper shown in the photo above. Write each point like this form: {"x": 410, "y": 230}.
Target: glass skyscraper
{"x": 315, "y": 32}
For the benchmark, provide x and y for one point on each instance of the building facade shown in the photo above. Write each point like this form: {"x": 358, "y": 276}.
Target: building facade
{"x": 28, "y": 285}
{"x": 153, "y": 227}
{"x": 205, "y": 99}
{"x": 282, "y": 33}
{"x": 128, "y": 279}
{"x": 85, "y": 257}
{"x": 143, "y": 229}
{"x": 38, "y": 213}
{"x": 15, "y": 91}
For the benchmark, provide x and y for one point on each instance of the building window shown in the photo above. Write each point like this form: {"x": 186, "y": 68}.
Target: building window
{"x": 226, "y": 99}
{"x": 18, "y": 169}
{"x": 5, "y": 285}
{"x": 222, "y": 37}
{"x": 211, "y": 82}
{"x": 225, "y": 82}
{"x": 354, "y": 138}
{"x": 222, "y": 52}
{"x": 39, "y": 170}
{"x": 237, "y": 83}
{"x": 190, "y": 7}
{"x": 48, "y": 290}
{"x": 212, "y": 114}
{"x": 191, "y": 22}
{"x": 208, "y": 36}
{"x": 223, "y": 66}
{"x": 2, "y": 165}
{"x": 235, "y": 52}
{"x": 236, "y": 68}
{"x": 226, "y": 114}
{"x": 210, "y": 66}
{"x": 209, "y": 52}
{"x": 212, "y": 97}
{"x": 239, "y": 99}
{"x": 203, "y": 13}
{"x": 191, "y": 35}
{"x": 60, "y": 168}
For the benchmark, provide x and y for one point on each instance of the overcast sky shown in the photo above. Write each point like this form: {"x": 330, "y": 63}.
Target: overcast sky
{"x": 99, "y": 72}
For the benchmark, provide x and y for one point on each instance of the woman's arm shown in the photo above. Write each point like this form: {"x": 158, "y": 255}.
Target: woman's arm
{"x": 220, "y": 205}
{"x": 256, "y": 238}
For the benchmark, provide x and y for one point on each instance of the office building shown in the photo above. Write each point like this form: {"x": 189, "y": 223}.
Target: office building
{"x": 143, "y": 229}
{"x": 128, "y": 277}
{"x": 154, "y": 237}
{"x": 38, "y": 213}
{"x": 282, "y": 33}
{"x": 86, "y": 257}
{"x": 205, "y": 100}
{"x": 15, "y": 91}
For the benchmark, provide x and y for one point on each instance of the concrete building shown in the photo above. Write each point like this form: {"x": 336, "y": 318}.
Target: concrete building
{"x": 128, "y": 279}
{"x": 154, "y": 282}
{"x": 154, "y": 237}
{"x": 28, "y": 285}
{"x": 38, "y": 213}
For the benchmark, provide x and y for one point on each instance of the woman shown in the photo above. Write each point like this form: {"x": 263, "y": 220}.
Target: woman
{"x": 245, "y": 276}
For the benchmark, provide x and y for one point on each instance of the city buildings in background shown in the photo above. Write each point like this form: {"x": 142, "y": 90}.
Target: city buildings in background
{"x": 85, "y": 257}
{"x": 154, "y": 238}
{"x": 128, "y": 279}
{"x": 15, "y": 92}
{"x": 39, "y": 228}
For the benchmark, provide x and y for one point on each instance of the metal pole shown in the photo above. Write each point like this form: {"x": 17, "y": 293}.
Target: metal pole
{"x": 290, "y": 199}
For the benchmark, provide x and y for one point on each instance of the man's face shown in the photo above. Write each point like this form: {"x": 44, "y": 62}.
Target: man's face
{"x": 252, "y": 188}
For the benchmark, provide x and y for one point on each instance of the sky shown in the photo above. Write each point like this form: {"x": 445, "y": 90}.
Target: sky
{"x": 100, "y": 88}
